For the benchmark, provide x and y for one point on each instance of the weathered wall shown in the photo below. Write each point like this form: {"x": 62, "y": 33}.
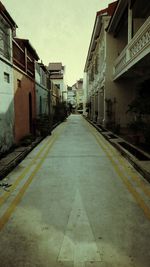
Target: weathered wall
{"x": 21, "y": 101}
{"x": 120, "y": 92}
{"x": 41, "y": 100}
{"x": 41, "y": 91}
{"x": 6, "y": 107}
{"x": 60, "y": 83}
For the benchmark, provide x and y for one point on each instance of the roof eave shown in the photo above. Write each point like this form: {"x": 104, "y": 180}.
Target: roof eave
{"x": 121, "y": 5}
{"x": 7, "y": 16}
{"x": 97, "y": 27}
{"x": 28, "y": 44}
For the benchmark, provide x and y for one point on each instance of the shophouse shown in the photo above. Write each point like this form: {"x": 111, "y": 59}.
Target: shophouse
{"x": 128, "y": 37}
{"x": 71, "y": 97}
{"x": 42, "y": 89}
{"x": 7, "y": 31}
{"x": 79, "y": 95}
{"x": 96, "y": 68}
{"x": 24, "y": 57}
{"x": 57, "y": 76}
{"x": 117, "y": 65}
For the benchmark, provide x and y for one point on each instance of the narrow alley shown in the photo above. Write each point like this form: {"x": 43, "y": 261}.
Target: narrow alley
{"x": 74, "y": 201}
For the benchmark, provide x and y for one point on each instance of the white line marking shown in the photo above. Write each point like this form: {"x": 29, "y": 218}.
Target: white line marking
{"x": 79, "y": 244}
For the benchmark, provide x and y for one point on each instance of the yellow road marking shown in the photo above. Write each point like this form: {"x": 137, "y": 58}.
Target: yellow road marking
{"x": 4, "y": 219}
{"x": 138, "y": 181}
{"x": 129, "y": 186}
{"x": 134, "y": 177}
{"x": 22, "y": 175}
{"x": 122, "y": 161}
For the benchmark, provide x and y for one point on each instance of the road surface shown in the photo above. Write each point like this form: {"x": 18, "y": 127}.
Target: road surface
{"x": 74, "y": 201}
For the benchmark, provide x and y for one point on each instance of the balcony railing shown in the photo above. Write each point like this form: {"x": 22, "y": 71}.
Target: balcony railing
{"x": 134, "y": 51}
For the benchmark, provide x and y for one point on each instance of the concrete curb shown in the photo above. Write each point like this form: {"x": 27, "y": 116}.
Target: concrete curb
{"x": 9, "y": 162}
{"x": 142, "y": 166}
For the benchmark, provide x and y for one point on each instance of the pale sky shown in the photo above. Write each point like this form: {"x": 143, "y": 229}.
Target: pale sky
{"x": 59, "y": 30}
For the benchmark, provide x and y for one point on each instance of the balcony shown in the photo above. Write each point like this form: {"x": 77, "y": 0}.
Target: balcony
{"x": 136, "y": 50}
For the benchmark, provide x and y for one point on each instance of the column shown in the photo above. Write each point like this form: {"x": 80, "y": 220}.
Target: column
{"x": 99, "y": 112}
{"x": 95, "y": 107}
{"x": 129, "y": 23}
{"x": 101, "y": 106}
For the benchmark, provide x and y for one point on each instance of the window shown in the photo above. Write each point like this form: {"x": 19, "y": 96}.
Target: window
{"x": 4, "y": 39}
{"x": 6, "y": 77}
{"x": 18, "y": 83}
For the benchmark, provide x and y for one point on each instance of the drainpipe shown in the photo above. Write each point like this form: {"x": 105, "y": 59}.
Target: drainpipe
{"x": 49, "y": 105}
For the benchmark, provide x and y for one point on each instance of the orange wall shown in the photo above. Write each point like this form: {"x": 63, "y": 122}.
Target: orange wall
{"x": 21, "y": 104}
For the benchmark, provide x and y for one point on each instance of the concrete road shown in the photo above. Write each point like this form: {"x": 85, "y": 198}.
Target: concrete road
{"x": 75, "y": 202}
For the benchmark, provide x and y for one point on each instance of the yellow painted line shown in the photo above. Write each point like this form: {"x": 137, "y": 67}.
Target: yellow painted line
{"x": 138, "y": 181}
{"x": 4, "y": 197}
{"x": 121, "y": 160}
{"x": 129, "y": 186}
{"x": 4, "y": 219}
{"x": 134, "y": 177}
{"x": 20, "y": 177}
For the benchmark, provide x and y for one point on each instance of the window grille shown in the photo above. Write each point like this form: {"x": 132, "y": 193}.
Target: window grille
{"x": 4, "y": 40}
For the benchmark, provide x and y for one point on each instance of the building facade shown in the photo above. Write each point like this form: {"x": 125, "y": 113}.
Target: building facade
{"x": 7, "y": 30}
{"x": 42, "y": 89}
{"x": 117, "y": 64}
{"x": 71, "y": 97}
{"x": 79, "y": 95}
{"x": 96, "y": 68}
{"x": 128, "y": 34}
{"x": 57, "y": 76}
{"x": 24, "y": 57}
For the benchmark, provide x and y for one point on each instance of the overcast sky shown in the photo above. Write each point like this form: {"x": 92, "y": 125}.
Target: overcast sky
{"x": 59, "y": 30}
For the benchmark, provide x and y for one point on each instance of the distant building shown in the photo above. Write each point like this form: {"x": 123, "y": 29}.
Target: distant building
{"x": 7, "y": 31}
{"x": 55, "y": 101}
{"x": 79, "y": 95}
{"x": 71, "y": 96}
{"x": 57, "y": 76}
{"x": 42, "y": 89}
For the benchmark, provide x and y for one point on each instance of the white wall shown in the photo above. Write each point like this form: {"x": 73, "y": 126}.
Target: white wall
{"x": 41, "y": 100}
{"x": 60, "y": 83}
{"x": 37, "y": 76}
{"x": 6, "y": 107}
{"x": 41, "y": 93}
{"x": 85, "y": 96}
